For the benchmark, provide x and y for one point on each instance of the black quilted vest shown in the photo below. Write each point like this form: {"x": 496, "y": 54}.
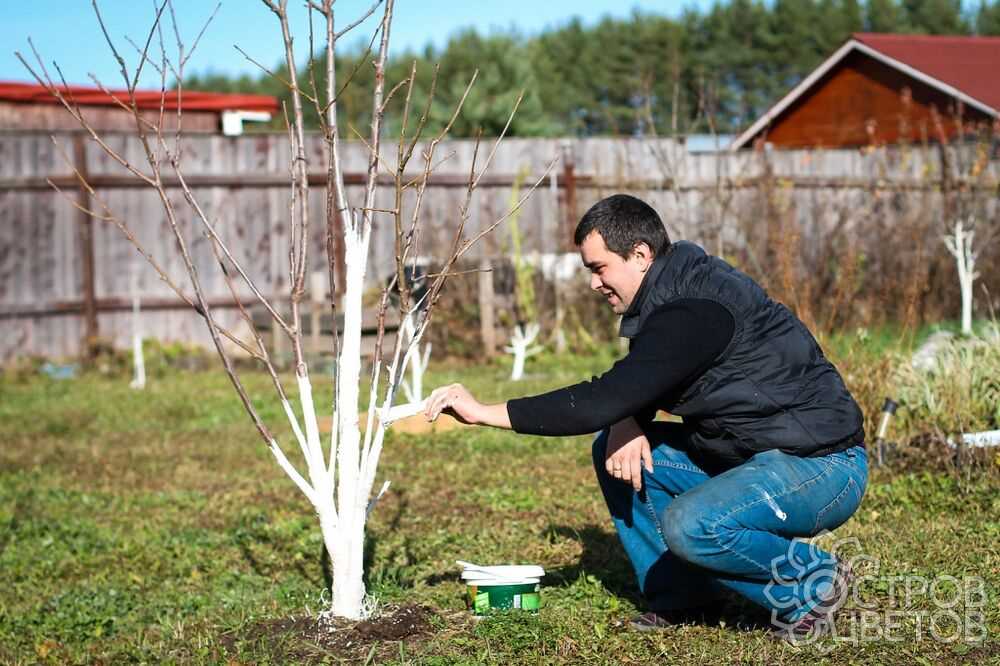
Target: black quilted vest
{"x": 771, "y": 388}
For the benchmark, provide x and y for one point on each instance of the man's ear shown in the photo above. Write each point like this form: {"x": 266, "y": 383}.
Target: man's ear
{"x": 644, "y": 254}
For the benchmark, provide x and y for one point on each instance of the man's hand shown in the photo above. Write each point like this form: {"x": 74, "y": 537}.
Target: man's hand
{"x": 627, "y": 451}
{"x": 457, "y": 400}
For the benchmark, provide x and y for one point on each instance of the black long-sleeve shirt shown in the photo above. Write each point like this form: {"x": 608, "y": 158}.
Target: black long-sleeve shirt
{"x": 674, "y": 347}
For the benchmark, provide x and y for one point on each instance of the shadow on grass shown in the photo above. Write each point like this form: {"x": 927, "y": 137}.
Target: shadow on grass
{"x": 267, "y": 571}
{"x": 604, "y": 559}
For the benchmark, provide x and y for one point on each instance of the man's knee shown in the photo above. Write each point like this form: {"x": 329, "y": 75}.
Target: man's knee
{"x": 685, "y": 530}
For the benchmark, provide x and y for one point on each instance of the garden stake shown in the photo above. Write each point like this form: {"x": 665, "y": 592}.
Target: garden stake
{"x": 888, "y": 409}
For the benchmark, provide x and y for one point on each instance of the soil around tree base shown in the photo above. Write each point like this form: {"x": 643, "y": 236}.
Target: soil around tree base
{"x": 310, "y": 639}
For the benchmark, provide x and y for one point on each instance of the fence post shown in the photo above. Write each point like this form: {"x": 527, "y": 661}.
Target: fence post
{"x": 569, "y": 189}
{"x": 487, "y": 322}
{"x": 86, "y": 243}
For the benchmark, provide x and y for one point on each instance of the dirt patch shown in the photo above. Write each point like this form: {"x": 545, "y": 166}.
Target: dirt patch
{"x": 418, "y": 425}
{"x": 405, "y": 622}
{"x": 309, "y": 639}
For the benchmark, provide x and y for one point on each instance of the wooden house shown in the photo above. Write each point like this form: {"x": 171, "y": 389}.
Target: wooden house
{"x": 880, "y": 88}
{"x": 27, "y": 106}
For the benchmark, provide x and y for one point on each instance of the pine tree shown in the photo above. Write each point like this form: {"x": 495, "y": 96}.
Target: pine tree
{"x": 567, "y": 63}
{"x": 504, "y": 72}
{"x": 798, "y": 45}
{"x": 936, "y": 17}
{"x": 853, "y": 14}
{"x": 988, "y": 19}
{"x": 884, "y": 16}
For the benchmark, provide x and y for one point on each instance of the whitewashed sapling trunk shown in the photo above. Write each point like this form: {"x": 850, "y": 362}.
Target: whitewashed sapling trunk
{"x": 138, "y": 360}
{"x": 413, "y": 390}
{"x": 960, "y": 245}
{"x": 521, "y": 347}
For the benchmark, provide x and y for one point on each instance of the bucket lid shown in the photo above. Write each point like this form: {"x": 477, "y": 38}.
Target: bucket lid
{"x": 495, "y": 582}
{"x": 504, "y": 571}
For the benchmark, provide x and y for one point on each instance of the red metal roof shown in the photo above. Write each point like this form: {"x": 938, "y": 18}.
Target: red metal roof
{"x": 969, "y": 64}
{"x": 191, "y": 100}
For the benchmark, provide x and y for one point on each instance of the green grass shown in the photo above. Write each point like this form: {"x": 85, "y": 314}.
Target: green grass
{"x": 155, "y": 527}
{"x": 889, "y": 338}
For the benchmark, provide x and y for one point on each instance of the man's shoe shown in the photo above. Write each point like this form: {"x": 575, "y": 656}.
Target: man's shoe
{"x": 651, "y": 621}
{"x": 818, "y": 622}
{"x": 659, "y": 620}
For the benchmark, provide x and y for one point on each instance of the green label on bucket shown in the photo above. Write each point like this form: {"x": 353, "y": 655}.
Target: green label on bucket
{"x": 530, "y": 601}
{"x": 482, "y": 603}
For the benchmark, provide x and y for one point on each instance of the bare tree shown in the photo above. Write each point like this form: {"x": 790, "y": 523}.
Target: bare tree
{"x": 960, "y": 245}
{"x": 340, "y": 474}
{"x": 522, "y": 346}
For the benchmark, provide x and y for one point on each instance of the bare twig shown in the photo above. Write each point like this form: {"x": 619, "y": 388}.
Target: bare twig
{"x": 197, "y": 39}
{"x": 351, "y": 26}
{"x": 74, "y": 110}
{"x": 264, "y": 69}
{"x": 496, "y": 144}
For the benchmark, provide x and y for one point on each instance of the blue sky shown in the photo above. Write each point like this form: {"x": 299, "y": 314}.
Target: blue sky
{"x": 67, "y": 31}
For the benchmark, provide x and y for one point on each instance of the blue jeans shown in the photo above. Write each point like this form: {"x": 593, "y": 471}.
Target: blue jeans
{"x": 691, "y": 534}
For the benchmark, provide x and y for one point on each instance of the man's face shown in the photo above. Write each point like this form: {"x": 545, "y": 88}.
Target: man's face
{"x": 615, "y": 278}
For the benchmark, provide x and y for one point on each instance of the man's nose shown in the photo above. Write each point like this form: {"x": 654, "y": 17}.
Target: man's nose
{"x": 595, "y": 281}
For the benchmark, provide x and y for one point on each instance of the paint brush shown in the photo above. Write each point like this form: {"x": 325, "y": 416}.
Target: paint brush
{"x": 387, "y": 416}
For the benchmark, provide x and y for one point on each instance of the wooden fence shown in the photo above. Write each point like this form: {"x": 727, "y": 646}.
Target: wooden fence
{"x": 65, "y": 278}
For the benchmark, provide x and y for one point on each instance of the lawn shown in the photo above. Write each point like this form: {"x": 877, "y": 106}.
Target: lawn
{"x": 155, "y": 527}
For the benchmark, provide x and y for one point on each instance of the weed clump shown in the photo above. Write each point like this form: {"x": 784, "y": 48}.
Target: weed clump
{"x": 959, "y": 392}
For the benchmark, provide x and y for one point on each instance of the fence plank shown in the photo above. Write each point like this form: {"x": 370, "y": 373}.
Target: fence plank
{"x": 242, "y": 183}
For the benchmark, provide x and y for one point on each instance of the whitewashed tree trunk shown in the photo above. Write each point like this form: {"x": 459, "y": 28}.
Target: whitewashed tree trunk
{"x": 521, "y": 347}
{"x": 960, "y": 245}
{"x": 138, "y": 360}
{"x": 413, "y": 390}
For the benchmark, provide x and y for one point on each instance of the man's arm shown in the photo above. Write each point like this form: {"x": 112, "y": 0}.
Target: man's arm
{"x": 464, "y": 406}
{"x": 628, "y": 450}
{"x": 676, "y": 345}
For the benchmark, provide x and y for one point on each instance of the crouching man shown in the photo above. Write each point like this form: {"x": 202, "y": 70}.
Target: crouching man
{"x": 771, "y": 446}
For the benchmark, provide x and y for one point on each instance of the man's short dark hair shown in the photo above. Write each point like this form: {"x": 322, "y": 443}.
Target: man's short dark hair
{"x": 623, "y": 222}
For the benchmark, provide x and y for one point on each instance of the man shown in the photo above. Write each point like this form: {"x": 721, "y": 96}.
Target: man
{"x": 771, "y": 444}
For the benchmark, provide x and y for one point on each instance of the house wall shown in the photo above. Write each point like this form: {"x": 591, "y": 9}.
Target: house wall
{"x": 863, "y": 101}
{"x": 22, "y": 116}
